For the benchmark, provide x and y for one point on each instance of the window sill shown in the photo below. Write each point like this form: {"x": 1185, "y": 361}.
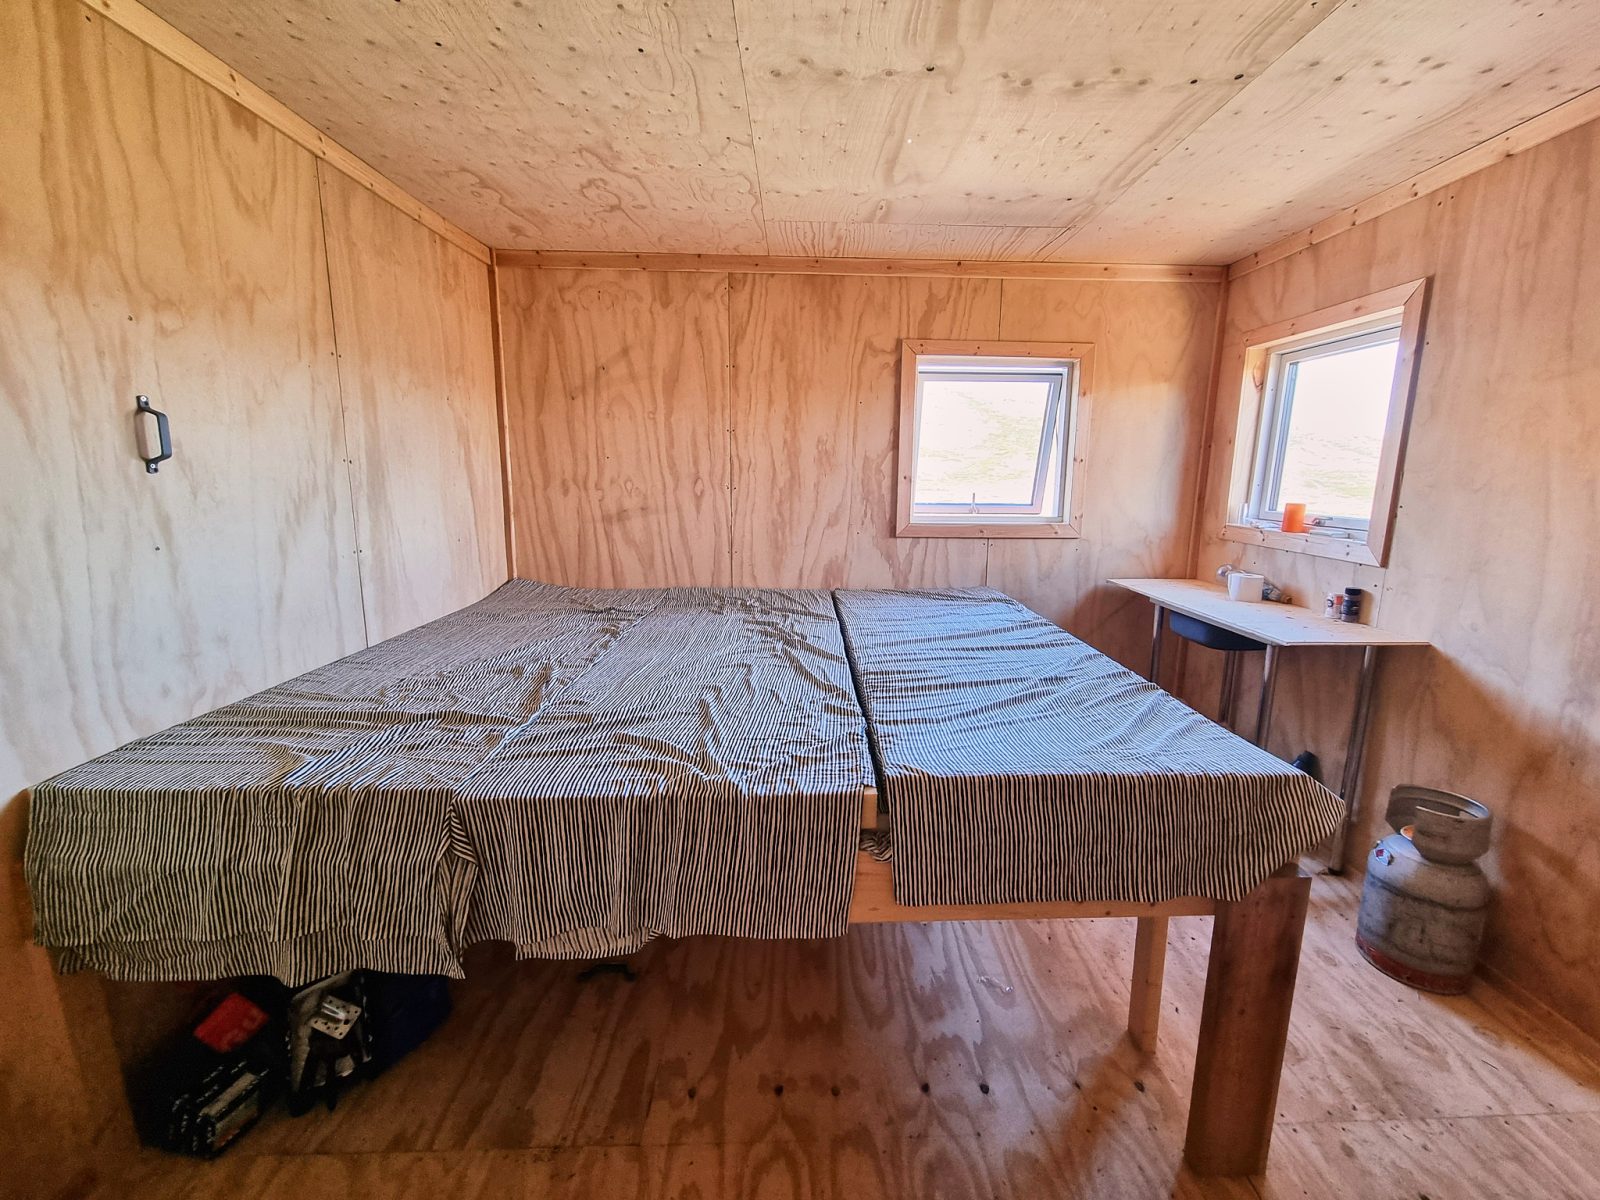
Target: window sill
{"x": 1039, "y": 530}
{"x": 1346, "y": 549}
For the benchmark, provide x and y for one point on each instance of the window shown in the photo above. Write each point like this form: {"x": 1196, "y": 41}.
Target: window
{"x": 1323, "y": 415}
{"x": 1327, "y": 398}
{"x": 990, "y": 439}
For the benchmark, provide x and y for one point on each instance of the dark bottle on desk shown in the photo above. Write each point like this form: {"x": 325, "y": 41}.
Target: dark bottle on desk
{"x": 1350, "y": 610}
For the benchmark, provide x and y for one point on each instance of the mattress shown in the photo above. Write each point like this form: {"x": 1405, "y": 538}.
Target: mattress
{"x": 571, "y": 770}
{"x": 577, "y": 771}
{"x": 1019, "y": 764}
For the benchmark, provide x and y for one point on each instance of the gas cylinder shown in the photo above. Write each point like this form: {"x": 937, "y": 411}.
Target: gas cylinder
{"x": 1425, "y": 899}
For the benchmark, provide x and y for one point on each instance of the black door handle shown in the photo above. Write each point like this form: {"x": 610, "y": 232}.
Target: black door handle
{"x": 163, "y": 434}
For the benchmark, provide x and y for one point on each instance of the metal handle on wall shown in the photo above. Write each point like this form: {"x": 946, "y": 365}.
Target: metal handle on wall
{"x": 163, "y": 434}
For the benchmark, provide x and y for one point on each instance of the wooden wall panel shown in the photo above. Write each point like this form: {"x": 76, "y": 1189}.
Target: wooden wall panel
{"x": 1493, "y": 557}
{"x": 162, "y": 238}
{"x": 814, "y": 412}
{"x": 172, "y": 247}
{"x": 800, "y": 344}
{"x": 816, "y": 360}
{"x": 416, "y": 372}
{"x": 618, "y": 415}
{"x": 158, "y": 239}
{"x": 924, "y": 308}
{"x": 1153, "y": 355}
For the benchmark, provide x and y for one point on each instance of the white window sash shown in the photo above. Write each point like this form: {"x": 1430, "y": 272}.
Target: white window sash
{"x": 1264, "y": 505}
{"x": 1047, "y": 503}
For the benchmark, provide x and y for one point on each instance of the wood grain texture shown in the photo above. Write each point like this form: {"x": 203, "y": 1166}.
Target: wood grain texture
{"x": 592, "y": 125}
{"x": 187, "y": 264}
{"x": 416, "y": 374}
{"x": 1369, "y": 97}
{"x": 814, "y": 379}
{"x": 166, "y": 40}
{"x": 618, "y": 423}
{"x": 807, "y": 355}
{"x": 1183, "y": 132}
{"x": 1153, "y": 351}
{"x": 813, "y": 412}
{"x": 1149, "y": 972}
{"x": 165, "y": 236}
{"x": 50, "y": 1119}
{"x": 873, "y": 903}
{"x": 1244, "y": 1027}
{"x": 545, "y": 1084}
{"x": 883, "y": 239}
{"x": 1490, "y": 559}
{"x": 158, "y": 239}
{"x": 776, "y": 264}
{"x": 815, "y": 369}
{"x": 1551, "y": 123}
{"x": 986, "y": 114}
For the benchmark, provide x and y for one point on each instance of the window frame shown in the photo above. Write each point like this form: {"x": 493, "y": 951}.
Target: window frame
{"x": 999, "y": 521}
{"x": 1257, "y": 352}
{"x": 1272, "y": 436}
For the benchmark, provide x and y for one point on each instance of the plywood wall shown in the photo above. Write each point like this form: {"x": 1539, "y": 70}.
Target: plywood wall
{"x": 171, "y": 247}
{"x": 416, "y": 374}
{"x": 683, "y": 427}
{"x": 617, "y": 420}
{"x": 159, "y": 238}
{"x": 1494, "y": 556}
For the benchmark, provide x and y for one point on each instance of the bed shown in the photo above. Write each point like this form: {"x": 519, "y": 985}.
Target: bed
{"x": 575, "y": 771}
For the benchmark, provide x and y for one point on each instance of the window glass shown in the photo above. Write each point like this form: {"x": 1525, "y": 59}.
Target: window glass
{"x": 982, "y": 441}
{"x": 1324, "y": 433}
{"x": 1336, "y": 406}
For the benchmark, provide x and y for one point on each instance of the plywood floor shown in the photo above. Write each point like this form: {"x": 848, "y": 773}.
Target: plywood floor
{"x": 928, "y": 1061}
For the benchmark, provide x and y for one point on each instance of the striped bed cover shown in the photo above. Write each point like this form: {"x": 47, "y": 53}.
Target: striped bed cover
{"x": 571, "y": 770}
{"x": 1018, "y": 764}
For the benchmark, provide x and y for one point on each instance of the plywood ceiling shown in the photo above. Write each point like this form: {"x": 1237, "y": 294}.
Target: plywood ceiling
{"x": 1091, "y": 130}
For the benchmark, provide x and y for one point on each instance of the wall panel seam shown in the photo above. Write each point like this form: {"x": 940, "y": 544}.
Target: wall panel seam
{"x": 503, "y": 419}
{"x": 730, "y": 422}
{"x": 357, "y": 535}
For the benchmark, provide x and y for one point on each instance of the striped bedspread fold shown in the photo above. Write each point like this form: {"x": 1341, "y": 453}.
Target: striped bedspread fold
{"x": 573, "y": 770}
{"x": 703, "y": 777}
{"x": 1021, "y": 765}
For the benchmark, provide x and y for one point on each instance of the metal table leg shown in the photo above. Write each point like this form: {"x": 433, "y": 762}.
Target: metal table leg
{"x": 1155, "y": 645}
{"x": 1355, "y": 749}
{"x": 1269, "y": 684}
{"x": 1230, "y": 688}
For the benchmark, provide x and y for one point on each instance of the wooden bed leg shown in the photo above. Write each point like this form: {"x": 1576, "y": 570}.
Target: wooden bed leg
{"x": 1244, "y": 1025}
{"x": 1149, "y": 965}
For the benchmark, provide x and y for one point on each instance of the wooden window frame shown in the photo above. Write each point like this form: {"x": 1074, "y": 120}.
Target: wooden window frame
{"x": 1369, "y": 547}
{"x": 1070, "y": 524}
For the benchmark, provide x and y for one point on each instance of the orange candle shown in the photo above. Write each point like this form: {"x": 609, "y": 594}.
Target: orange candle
{"x": 1294, "y": 518}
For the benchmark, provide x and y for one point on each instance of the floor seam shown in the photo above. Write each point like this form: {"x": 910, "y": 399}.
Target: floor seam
{"x": 1512, "y": 1116}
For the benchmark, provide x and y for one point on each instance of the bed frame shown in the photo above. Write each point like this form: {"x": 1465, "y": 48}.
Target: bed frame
{"x": 1244, "y": 1022}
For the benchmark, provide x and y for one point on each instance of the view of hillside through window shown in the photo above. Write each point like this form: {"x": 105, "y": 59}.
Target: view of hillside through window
{"x": 1336, "y": 406}
{"x": 978, "y": 442}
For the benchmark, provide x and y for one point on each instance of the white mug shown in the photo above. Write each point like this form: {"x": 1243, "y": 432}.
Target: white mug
{"x": 1244, "y": 586}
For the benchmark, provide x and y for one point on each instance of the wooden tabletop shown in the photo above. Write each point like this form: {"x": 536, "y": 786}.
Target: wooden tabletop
{"x": 1274, "y": 624}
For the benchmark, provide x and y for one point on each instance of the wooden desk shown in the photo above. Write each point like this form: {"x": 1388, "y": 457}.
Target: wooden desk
{"x": 1278, "y": 626}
